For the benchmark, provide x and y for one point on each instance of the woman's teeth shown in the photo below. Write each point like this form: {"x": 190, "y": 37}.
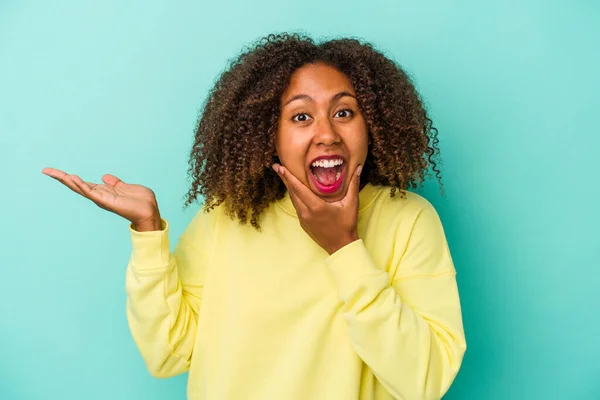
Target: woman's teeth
{"x": 327, "y": 163}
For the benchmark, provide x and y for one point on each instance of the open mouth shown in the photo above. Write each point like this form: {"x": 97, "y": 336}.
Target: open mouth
{"x": 328, "y": 174}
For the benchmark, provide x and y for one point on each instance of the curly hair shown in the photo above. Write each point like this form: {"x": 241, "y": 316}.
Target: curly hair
{"x": 234, "y": 147}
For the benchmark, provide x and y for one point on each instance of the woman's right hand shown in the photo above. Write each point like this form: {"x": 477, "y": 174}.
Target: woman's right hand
{"x": 136, "y": 203}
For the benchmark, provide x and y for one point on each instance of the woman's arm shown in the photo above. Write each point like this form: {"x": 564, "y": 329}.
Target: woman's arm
{"x": 164, "y": 293}
{"x": 407, "y": 329}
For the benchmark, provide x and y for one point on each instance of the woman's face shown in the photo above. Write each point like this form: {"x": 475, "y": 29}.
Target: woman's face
{"x": 322, "y": 135}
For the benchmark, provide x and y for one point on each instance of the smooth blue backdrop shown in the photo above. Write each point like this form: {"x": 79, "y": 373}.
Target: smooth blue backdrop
{"x": 112, "y": 86}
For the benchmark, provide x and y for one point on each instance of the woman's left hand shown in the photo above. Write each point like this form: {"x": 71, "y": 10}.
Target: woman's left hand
{"x": 331, "y": 225}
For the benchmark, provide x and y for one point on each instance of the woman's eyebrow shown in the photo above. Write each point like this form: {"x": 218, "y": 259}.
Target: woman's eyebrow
{"x": 307, "y": 97}
{"x": 298, "y": 97}
{"x": 342, "y": 94}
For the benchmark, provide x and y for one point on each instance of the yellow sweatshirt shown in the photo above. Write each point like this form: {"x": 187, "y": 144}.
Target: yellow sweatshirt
{"x": 271, "y": 316}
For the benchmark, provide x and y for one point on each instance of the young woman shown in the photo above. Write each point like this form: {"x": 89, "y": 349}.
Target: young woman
{"x": 312, "y": 272}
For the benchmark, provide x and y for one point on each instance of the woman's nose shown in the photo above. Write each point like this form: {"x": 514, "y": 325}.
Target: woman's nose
{"x": 326, "y": 133}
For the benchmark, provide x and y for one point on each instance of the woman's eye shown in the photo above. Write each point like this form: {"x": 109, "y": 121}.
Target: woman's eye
{"x": 301, "y": 117}
{"x": 343, "y": 113}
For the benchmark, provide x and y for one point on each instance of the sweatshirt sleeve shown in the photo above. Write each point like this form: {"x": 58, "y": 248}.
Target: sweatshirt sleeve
{"x": 164, "y": 293}
{"x": 406, "y": 326}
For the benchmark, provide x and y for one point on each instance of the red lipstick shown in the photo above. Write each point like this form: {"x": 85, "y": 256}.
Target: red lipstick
{"x": 329, "y": 189}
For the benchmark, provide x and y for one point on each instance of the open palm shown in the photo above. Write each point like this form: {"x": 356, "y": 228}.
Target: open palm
{"x": 133, "y": 202}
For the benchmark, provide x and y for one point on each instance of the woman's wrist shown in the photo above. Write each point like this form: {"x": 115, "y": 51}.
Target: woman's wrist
{"x": 350, "y": 239}
{"x": 151, "y": 224}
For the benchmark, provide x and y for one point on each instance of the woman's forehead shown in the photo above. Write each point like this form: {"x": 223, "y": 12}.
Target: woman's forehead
{"x": 317, "y": 82}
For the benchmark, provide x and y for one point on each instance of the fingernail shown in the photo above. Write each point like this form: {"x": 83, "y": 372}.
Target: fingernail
{"x": 359, "y": 170}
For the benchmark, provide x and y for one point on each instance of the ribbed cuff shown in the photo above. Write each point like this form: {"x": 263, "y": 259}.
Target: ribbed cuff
{"x": 151, "y": 249}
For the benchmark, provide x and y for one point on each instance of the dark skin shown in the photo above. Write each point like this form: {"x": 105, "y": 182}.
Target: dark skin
{"x": 332, "y": 225}
{"x": 135, "y": 203}
{"x": 320, "y": 116}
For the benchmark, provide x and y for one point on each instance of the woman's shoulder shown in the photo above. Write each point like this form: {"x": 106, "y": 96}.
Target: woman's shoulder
{"x": 404, "y": 201}
{"x": 203, "y": 223}
{"x": 408, "y": 209}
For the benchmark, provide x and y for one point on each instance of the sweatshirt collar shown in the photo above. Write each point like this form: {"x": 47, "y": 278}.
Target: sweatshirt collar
{"x": 366, "y": 196}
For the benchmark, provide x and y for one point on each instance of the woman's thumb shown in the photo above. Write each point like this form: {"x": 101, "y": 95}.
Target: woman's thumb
{"x": 111, "y": 180}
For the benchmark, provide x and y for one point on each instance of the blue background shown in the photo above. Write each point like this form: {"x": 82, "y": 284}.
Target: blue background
{"x": 115, "y": 87}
